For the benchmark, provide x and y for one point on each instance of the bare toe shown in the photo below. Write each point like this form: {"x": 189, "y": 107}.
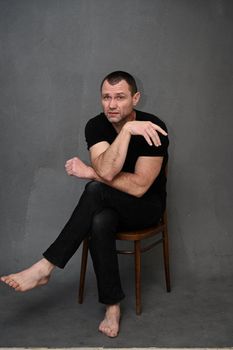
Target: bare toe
{"x": 37, "y": 275}
{"x": 110, "y": 325}
{"x": 5, "y": 279}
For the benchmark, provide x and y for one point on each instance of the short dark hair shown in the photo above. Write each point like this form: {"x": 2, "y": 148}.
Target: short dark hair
{"x": 115, "y": 77}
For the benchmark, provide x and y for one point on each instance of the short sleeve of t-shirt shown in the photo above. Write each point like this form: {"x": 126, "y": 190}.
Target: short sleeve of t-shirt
{"x": 143, "y": 147}
{"x": 99, "y": 129}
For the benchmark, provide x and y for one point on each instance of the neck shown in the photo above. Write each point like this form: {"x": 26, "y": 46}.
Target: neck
{"x": 130, "y": 118}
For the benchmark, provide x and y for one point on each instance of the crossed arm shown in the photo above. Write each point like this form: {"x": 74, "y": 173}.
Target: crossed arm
{"x": 107, "y": 161}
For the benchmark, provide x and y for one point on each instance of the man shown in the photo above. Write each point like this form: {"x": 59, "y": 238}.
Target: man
{"x": 126, "y": 191}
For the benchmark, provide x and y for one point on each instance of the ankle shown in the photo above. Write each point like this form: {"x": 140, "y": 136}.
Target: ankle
{"x": 113, "y": 308}
{"x": 46, "y": 266}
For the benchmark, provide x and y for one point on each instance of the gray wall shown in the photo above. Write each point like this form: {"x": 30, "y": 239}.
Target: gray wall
{"x": 53, "y": 56}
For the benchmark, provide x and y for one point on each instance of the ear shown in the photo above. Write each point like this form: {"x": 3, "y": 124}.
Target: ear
{"x": 136, "y": 98}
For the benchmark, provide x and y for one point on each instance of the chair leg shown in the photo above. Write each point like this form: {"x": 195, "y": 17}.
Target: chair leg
{"x": 83, "y": 270}
{"x": 166, "y": 259}
{"x": 137, "y": 255}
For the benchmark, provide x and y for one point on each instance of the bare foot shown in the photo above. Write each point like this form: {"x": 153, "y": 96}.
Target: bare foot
{"x": 36, "y": 275}
{"x": 111, "y": 323}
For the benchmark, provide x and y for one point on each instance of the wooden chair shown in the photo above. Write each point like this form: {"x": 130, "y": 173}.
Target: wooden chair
{"x": 137, "y": 236}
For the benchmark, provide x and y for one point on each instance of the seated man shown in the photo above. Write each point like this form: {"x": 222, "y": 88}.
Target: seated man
{"x": 127, "y": 190}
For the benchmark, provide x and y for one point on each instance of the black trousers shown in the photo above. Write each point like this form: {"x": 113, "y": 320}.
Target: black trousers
{"x": 100, "y": 213}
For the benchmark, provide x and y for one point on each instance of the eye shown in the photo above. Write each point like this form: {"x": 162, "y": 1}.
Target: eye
{"x": 120, "y": 98}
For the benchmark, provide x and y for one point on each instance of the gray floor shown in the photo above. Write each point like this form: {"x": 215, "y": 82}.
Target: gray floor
{"x": 194, "y": 314}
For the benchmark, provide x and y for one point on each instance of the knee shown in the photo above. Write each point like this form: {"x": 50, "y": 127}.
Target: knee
{"x": 104, "y": 224}
{"x": 93, "y": 187}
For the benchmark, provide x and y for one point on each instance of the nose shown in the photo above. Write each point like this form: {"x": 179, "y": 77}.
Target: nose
{"x": 112, "y": 104}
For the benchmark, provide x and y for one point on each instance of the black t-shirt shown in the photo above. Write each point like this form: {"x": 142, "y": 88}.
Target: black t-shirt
{"x": 100, "y": 129}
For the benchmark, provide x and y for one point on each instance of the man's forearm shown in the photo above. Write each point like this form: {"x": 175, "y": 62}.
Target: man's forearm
{"x": 136, "y": 184}
{"x": 126, "y": 182}
{"x": 109, "y": 163}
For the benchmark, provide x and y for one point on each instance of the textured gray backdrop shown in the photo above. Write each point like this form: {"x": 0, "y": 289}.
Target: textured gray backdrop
{"x": 53, "y": 55}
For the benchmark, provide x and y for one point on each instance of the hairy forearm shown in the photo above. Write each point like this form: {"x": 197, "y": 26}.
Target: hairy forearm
{"x": 126, "y": 182}
{"x": 109, "y": 163}
{"x": 136, "y": 184}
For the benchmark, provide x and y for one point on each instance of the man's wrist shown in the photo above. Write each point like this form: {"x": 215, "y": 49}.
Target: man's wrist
{"x": 93, "y": 174}
{"x": 126, "y": 129}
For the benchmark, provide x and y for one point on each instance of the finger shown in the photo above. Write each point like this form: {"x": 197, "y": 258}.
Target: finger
{"x": 158, "y": 142}
{"x": 69, "y": 161}
{"x": 159, "y": 129}
{"x": 69, "y": 169}
{"x": 154, "y": 137}
{"x": 67, "y": 164}
{"x": 155, "y": 141}
{"x": 147, "y": 138}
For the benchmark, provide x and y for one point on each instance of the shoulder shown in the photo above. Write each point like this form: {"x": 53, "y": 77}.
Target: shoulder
{"x": 99, "y": 129}
{"x": 99, "y": 119}
{"x": 159, "y": 151}
{"x": 150, "y": 117}
{"x": 97, "y": 124}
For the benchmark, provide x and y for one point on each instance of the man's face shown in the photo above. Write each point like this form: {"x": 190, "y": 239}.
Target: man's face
{"x": 117, "y": 101}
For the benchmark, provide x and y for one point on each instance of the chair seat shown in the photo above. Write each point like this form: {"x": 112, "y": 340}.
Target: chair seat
{"x": 138, "y": 235}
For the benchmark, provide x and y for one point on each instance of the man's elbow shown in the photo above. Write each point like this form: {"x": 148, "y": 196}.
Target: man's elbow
{"x": 139, "y": 191}
{"x": 106, "y": 175}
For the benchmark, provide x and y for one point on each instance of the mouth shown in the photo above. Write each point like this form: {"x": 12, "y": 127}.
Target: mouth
{"x": 113, "y": 113}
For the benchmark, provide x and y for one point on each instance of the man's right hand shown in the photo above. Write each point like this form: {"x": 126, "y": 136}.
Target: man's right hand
{"x": 146, "y": 129}
{"x": 76, "y": 167}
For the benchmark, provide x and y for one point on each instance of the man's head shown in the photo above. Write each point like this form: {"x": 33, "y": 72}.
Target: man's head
{"x": 119, "y": 96}
{"x": 115, "y": 77}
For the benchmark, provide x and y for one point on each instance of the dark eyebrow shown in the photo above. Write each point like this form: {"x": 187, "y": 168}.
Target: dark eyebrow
{"x": 117, "y": 94}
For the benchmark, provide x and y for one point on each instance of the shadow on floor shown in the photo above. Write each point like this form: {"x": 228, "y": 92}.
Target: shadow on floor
{"x": 192, "y": 315}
